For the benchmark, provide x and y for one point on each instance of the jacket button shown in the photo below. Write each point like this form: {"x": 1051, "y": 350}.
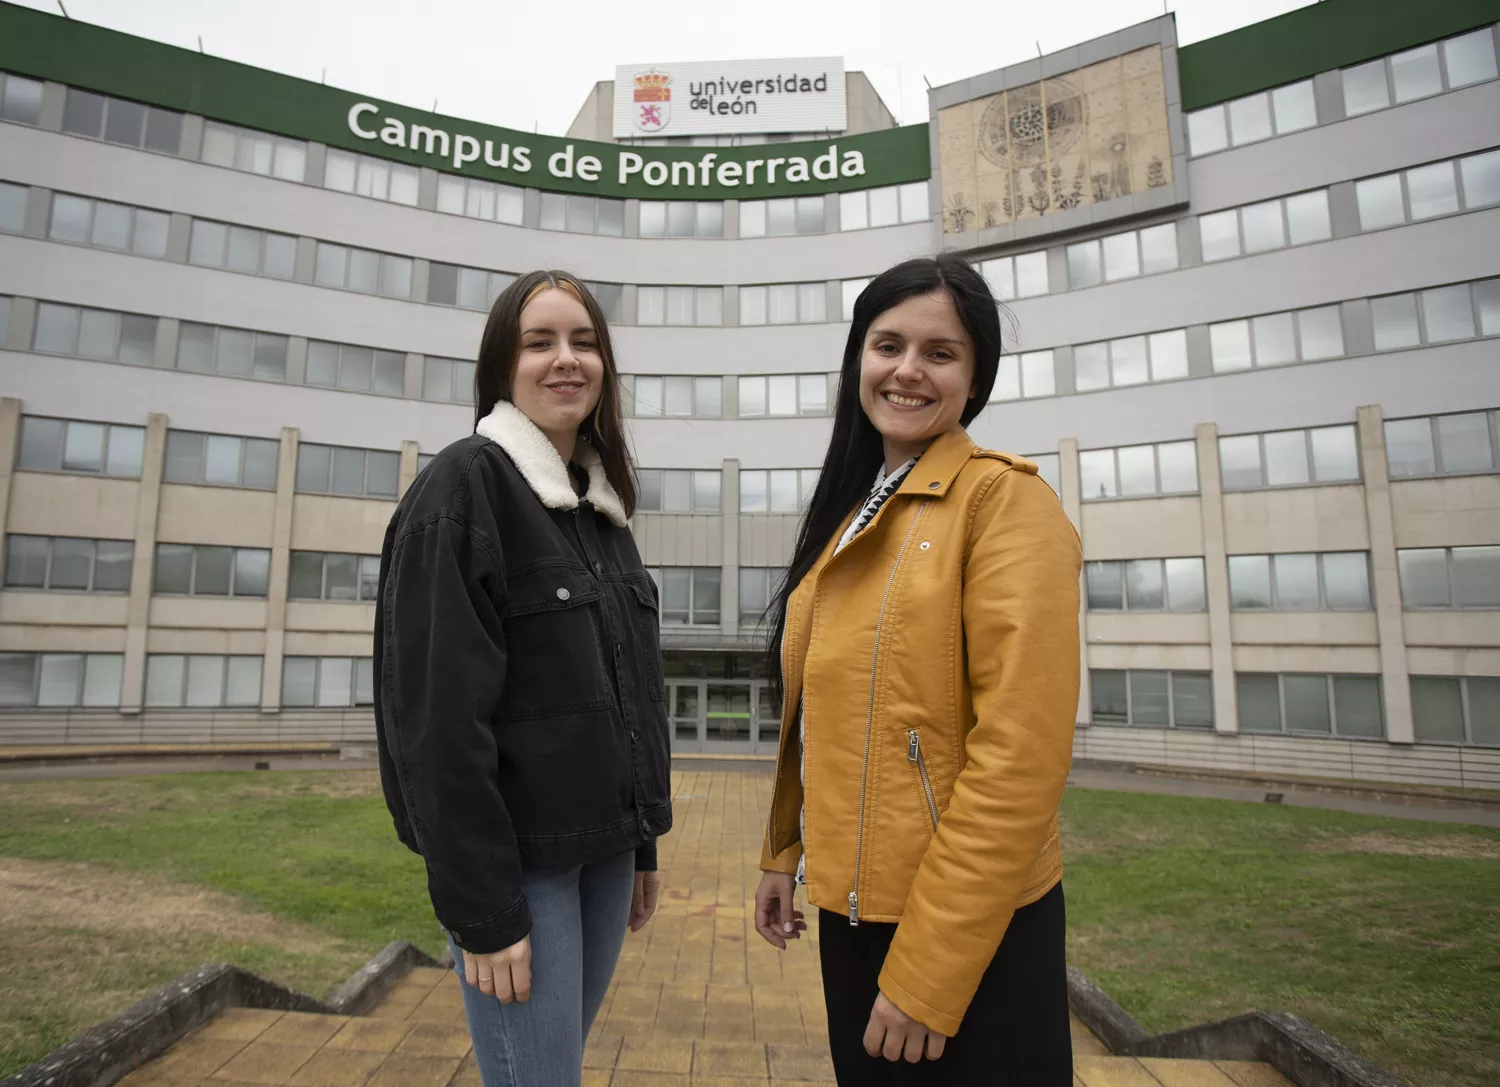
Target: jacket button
{"x": 934, "y": 485}
{"x": 598, "y": 567}
{"x": 563, "y": 594}
{"x": 925, "y": 545}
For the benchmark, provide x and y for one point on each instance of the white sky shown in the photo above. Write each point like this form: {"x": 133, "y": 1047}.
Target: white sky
{"x": 529, "y": 65}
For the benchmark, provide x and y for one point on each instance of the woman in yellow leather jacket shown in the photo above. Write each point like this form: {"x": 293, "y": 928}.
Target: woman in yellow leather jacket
{"x": 926, "y": 642}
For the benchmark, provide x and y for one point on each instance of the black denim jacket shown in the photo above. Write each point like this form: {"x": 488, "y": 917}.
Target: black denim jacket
{"x": 520, "y": 711}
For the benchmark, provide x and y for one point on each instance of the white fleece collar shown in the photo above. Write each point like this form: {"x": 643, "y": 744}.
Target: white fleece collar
{"x": 536, "y": 458}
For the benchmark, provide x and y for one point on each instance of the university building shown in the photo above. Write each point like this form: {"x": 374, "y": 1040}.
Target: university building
{"x": 1253, "y": 293}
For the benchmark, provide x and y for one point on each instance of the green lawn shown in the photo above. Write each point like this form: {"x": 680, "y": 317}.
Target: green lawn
{"x": 1386, "y": 933}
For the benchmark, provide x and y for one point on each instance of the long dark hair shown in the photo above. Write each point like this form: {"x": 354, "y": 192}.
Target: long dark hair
{"x": 855, "y": 449}
{"x": 494, "y": 376}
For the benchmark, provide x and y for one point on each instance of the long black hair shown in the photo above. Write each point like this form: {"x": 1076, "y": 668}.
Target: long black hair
{"x": 500, "y": 347}
{"x": 855, "y": 450}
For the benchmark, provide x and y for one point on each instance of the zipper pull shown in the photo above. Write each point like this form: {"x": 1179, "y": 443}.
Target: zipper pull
{"x": 853, "y": 909}
{"x": 911, "y": 750}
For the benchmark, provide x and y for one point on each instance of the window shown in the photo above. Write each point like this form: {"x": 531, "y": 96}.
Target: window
{"x": 241, "y": 249}
{"x": 689, "y": 594}
{"x": 12, "y": 208}
{"x": 1330, "y": 581}
{"x": 448, "y": 381}
{"x": 95, "y": 334}
{"x": 669, "y": 490}
{"x": 1021, "y": 276}
{"x": 1152, "y": 699}
{"x": 679, "y": 306}
{"x": 58, "y": 562}
{"x": 1416, "y": 73}
{"x": 1456, "y": 709}
{"x": 254, "y": 152}
{"x": 757, "y": 586}
{"x": 363, "y": 270}
{"x": 611, "y": 299}
{"x": 1310, "y": 704}
{"x": 337, "y": 469}
{"x": 1449, "y": 577}
{"x": 20, "y": 99}
{"x": 1146, "y": 585}
{"x": 1139, "y": 470}
{"x": 1123, "y": 256}
{"x": 480, "y": 199}
{"x": 201, "y": 681}
{"x": 1461, "y": 311}
{"x": 777, "y": 490}
{"x": 470, "y": 288}
{"x": 119, "y": 121}
{"x": 1271, "y": 224}
{"x": 104, "y": 225}
{"x": 1289, "y": 458}
{"x": 423, "y": 460}
{"x": 1248, "y": 120}
{"x": 69, "y": 445}
{"x": 201, "y": 570}
{"x": 231, "y": 352}
{"x": 1024, "y": 376}
{"x": 885, "y": 206}
{"x": 4, "y": 320}
{"x": 315, "y": 575}
{"x": 784, "y": 304}
{"x": 1133, "y": 360}
{"x": 1276, "y": 339}
{"x": 1442, "y": 445}
{"x": 1049, "y": 467}
{"x": 60, "y": 680}
{"x": 328, "y": 682}
{"x": 791, "y": 215}
{"x": 682, "y": 218}
{"x": 1424, "y": 192}
{"x": 679, "y": 397}
{"x": 220, "y": 459}
{"x": 850, "y": 290}
{"x": 366, "y": 176}
{"x": 783, "y": 394}
{"x": 357, "y": 369}
{"x": 583, "y": 214}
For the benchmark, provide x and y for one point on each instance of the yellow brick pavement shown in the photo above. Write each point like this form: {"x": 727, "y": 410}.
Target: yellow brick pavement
{"x": 698, "y": 1000}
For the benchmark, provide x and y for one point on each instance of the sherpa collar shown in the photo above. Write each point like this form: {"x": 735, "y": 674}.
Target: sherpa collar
{"x": 536, "y": 458}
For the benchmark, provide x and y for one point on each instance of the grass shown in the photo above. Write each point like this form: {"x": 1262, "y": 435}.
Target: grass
{"x": 1383, "y": 932}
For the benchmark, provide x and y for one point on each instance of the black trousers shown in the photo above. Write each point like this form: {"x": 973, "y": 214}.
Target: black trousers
{"x": 1015, "y": 1033}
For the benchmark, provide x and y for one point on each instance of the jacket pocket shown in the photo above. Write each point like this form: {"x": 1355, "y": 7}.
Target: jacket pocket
{"x": 554, "y": 660}
{"x": 915, "y": 756}
{"x": 648, "y": 624}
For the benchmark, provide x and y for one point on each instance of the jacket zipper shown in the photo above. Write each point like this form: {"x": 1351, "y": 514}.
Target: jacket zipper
{"x": 914, "y": 754}
{"x": 864, "y": 771}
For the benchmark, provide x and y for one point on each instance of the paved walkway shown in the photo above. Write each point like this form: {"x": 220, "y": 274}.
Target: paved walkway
{"x": 698, "y": 1000}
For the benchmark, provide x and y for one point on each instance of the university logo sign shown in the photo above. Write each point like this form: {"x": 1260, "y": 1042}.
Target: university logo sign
{"x": 653, "y": 101}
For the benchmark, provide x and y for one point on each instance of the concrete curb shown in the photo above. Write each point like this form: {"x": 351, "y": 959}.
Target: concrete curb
{"x": 1290, "y": 1044}
{"x": 104, "y": 1055}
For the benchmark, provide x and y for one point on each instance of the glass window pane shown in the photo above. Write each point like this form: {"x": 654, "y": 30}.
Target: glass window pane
{"x": 579, "y": 215}
{"x": 679, "y": 394}
{"x": 1275, "y": 339}
{"x": 884, "y": 206}
{"x": 1448, "y": 313}
{"x": 101, "y": 679}
{"x": 137, "y": 339}
{"x": 299, "y": 681}
{"x": 812, "y": 394}
{"x": 1320, "y": 334}
{"x": 914, "y": 202}
{"x": 752, "y": 305}
{"x": 1307, "y": 218}
{"x": 335, "y": 681}
{"x": 1128, "y": 358}
{"x": 1286, "y": 458}
{"x": 1356, "y": 706}
{"x": 41, "y": 444}
{"x": 364, "y": 680}
{"x": 211, "y": 575}
{"x": 291, "y": 160}
{"x": 1365, "y": 88}
{"x": 1481, "y": 179}
{"x": 682, "y": 219}
{"x": 676, "y": 492}
{"x": 810, "y": 210}
{"x": 781, "y": 303}
{"x": 1091, "y": 366}
{"x": 1335, "y": 454}
{"x": 708, "y": 397}
{"x": 1424, "y": 577}
{"x": 323, "y": 364}
{"x": 706, "y": 492}
{"x": 364, "y": 271}
{"x": 653, "y": 219}
{"x": 72, "y": 562}
{"x": 1107, "y": 690}
{"x": 348, "y": 471}
{"x": 23, "y": 100}
{"x": 1250, "y": 119}
{"x": 812, "y": 303}
{"x": 1137, "y": 470}
{"x": 1121, "y": 258}
{"x": 1432, "y": 190}
{"x": 1395, "y": 319}
{"x": 125, "y": 122}
{"x": 1207, "y": 131}
{"x": 1149, "y": 704}
{"x": 753, "y": 219}
{"x": 1220, "y": 235}
{"x": 98, "y": 334}
{"x": 1306, "y": 703}
{"x": 1144, "y": 589}
{"x": 1239, "y": 462}
{"x": 83, "y": 451}
{"x": 244, "y": 250}
{"x": 1031, "y": 268}
{"x": 1464, "y": 443}
{"x": 651, "y": 305}
{"x": 784, "y": 497}
{"x": 999, "y": 275}
{"x": 1229, "y": 346}
{"x": 70, "y": 216}
{"x": 1038, "y": 373}
{"x": 1294, "y": 107}
{"x": 57, "y": 328}
{"x": 1470, "y": 58}
{"x": 357, "y": 368}
{"x": 753, "y": 494}
{"x": 328, "y": 271}
{"x": 384, "y": 474}
{"x": 404, "y": 184}
{"x": 305, "y": 577}
{"x": 1437, "y": 709}
{"x": 648, "y": 396}
{"x": 1007, "y": 380}
{"x": 1346, "y": 581}
{"x": 782, "y": 394}
{"x": 236, "y": 352}
{"x": 184, "y": 454}
{"x": 1158, "y": 248}
{"x": 1249, "y": 582}
{"x": 1185, "y": 589}
{"x": 83, "y": 113}
{"x": 369, "y": 577}
{"x": 252, "y": 571}
{"x": 851, "y": 289}
{"x": 127, "y": 446}
{"x": 1263, "y": 226}
{"x": 442, "y": 284}
{"x": 12, "y": 208}
{"x": 221, "y": 462}
{"x": 150, "y": 236}
{"x": 1296, "y": 582}
{"x": 17, "y": 679}
{"x": 1096, "y": 470}
{"x": 1415, "y": 73}
{"x": 1178, "y": 466}
{"x": 312, "y": 467}
{"x": 1084, "y": 265}
{"x": 164, "y": 673}
{"x": 781, "y": 217}
{"x": 341, "y": 577}
{"x": 390, "y": 373}
{"x": 853, "y": 212}
{"x": 1106, "y": 586}
{"x": 706, "y": 595}
{"x": 205, "y": 681}
{"x": 1476, "y": 576}
{"x": 1379, "y": 201}
{"x": 60, "y": 679}
{"x": 1484, "y": 709}
{"x": 242, "y": 685}
{"x": 26, "y": 561}
{"x": 1192, "y": 700}
{"x": 710, "y": 305}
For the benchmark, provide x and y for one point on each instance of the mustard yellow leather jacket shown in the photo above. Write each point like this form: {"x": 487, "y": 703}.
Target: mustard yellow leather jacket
{"x": 936, "y": 660}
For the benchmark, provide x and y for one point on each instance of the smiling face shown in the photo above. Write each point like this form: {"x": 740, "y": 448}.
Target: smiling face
{"x": 559, "y": 373}
{"x": 916, "y": 374}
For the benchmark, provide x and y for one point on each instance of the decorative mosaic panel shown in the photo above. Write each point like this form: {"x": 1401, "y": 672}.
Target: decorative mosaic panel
{"x": 1086, "y": 137}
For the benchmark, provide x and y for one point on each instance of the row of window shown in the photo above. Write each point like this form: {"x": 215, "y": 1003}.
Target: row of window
{"x": 759, "y": 396}
{"x": 1402, "y": 77}
{"x": 1324, "y": 581}
{"x": 1426, "y": 192}
{"x": 681, "y": 490}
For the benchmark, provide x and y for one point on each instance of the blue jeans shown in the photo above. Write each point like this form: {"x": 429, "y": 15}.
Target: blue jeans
{"x": 578, "y": 917}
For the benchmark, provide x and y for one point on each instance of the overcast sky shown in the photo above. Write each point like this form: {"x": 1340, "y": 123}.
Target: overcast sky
{"x": 529, "y": 65}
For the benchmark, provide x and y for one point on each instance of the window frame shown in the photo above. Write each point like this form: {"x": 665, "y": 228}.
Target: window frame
{"x": 1097, "y": 245}
{"x": 90, "y": 242}
{"x": 278, "y": 144}
{"x": 234, "y": 567}
{"x": 1155, "y": 448}
{"x": 81, "y": 690}
{"x": 1465, "y": 701}
{"x": 364, "y": 493}
{"x": 1333, "y": 732}
{"x": 656, "y": 574}
{"x": 693, "y": 475}
{"x": 1171, "y": 674}
{"x": 255, "y": 345}
{"x": 182, "y": 692}
{"x": 263, "y": 238}
{"x": 797, "y": 378}
{"x": 79, "y": 313}
{"x": 139, "y": 433}
{"x": 1276, "y": 605}
{"x": 1312, "y": 480}
{"x": 51, "y": 547}
{"x": 807, "y": 482}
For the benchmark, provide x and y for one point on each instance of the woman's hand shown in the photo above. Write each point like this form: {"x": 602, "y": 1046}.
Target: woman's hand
{"x": 643, "y": 901}
{"x": 775, "y": 919}
{"x": 893, "y": 1034}
{"x": 505, "y": 975}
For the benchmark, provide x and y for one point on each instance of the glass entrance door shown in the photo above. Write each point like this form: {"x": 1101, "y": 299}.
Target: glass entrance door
{"x": 685, "y": 705}
{"x": 723, "y": 716}
{"x": 730, "y": 723}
